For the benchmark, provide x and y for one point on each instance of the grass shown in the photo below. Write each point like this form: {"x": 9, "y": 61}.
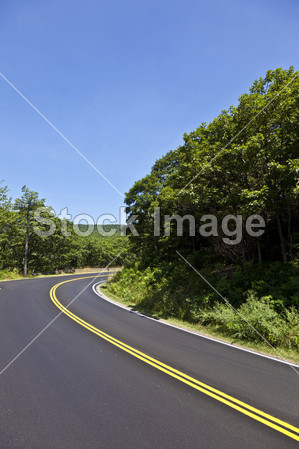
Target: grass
{"x": 13, "y": 275}
{"x": 290, "y": 355}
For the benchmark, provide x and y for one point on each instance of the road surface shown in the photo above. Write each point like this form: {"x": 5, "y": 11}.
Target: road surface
{"x": 129, "y": 382}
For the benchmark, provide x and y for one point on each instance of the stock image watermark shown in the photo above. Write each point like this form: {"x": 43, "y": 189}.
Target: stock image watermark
{"x": 230, "y": 228}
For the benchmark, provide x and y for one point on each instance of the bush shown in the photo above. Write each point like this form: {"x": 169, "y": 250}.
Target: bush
{"x": 257, "y": 319}
{"x": 8, "y": 274}
{"x": 259, "y": 295}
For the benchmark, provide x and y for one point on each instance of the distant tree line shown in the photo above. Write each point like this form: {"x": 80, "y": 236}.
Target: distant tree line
{"x": 25, "y": 250}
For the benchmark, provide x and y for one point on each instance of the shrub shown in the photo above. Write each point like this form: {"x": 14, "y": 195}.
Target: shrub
{"x": 257, "y": 319}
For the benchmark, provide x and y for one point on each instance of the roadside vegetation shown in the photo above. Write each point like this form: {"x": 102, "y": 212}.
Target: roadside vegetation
{"x": 256, "y": 174}
{"x": 267, "y": 299}
{"x": 210, "y": 330}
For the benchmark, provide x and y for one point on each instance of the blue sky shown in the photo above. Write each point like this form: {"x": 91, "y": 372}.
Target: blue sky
{"x": 123, "y": 80}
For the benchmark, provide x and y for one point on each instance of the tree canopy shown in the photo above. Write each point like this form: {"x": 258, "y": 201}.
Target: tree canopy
{"x": 245, "y": 162}
{"x": 27, "y": 246}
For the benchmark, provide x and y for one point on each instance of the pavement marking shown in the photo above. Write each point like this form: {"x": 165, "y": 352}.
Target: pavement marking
{"x": 254, "y": 413}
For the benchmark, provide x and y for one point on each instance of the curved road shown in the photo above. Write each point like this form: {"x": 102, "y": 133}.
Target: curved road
{"x": 73, "y": 389}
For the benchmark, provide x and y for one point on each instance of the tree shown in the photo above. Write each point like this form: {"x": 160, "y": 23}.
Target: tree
{"x": 256, "y": 173}
{"x": 6, "y": 224}
{"x": 26, "y": 205}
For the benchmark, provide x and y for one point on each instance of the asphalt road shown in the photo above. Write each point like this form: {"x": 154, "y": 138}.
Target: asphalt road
{"x": 72, "y": 389}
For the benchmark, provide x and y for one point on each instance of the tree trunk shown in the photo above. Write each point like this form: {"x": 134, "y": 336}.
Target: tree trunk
{"x": 281, "y": 239}
{"x": 259, "y": 252}
{"x": 289, "y": 231}
{"x": 243, "y": 255}
{"x": 26, "y": 246}
{"x": 193, "y": 244}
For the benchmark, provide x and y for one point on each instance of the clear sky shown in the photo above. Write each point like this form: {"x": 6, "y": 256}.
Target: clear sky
{"x": 123, "y": 80}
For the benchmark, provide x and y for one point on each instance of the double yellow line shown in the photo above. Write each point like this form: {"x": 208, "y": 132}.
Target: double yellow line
{"x": 242, "y": 407}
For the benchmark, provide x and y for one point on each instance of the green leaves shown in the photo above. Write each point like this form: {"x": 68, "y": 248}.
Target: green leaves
{"x": 23, "y": 238}
{"x": 244, "y": 162}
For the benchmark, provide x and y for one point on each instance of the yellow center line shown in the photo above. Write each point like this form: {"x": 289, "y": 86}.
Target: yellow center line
{"x": 258, "y": 415}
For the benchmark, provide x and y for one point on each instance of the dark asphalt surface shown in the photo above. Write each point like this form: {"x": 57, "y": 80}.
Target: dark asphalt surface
{"x": 72, "y": 390}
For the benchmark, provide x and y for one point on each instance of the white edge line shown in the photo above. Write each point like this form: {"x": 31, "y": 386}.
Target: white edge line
{"x": 128, "y": 309}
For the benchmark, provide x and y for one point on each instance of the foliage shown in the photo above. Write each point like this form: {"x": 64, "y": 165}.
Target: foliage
{"x": 245, "y": 162}
{"x": 257, "y": 319}
{"x": 173, "y": 292}
{"x": 53, "y": 253}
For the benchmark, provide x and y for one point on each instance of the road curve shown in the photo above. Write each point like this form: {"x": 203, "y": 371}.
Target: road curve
{"x": 74, "y": 389}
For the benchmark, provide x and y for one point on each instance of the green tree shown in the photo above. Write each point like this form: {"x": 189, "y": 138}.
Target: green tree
{"x": 25, "y": 206}
{"x": 244, "y": 162}
{"x": 6, "y": 223}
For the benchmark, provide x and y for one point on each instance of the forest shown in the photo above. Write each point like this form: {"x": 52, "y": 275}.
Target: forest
{"x": 244, "y": 162}
{"x": 27, "y": 249}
